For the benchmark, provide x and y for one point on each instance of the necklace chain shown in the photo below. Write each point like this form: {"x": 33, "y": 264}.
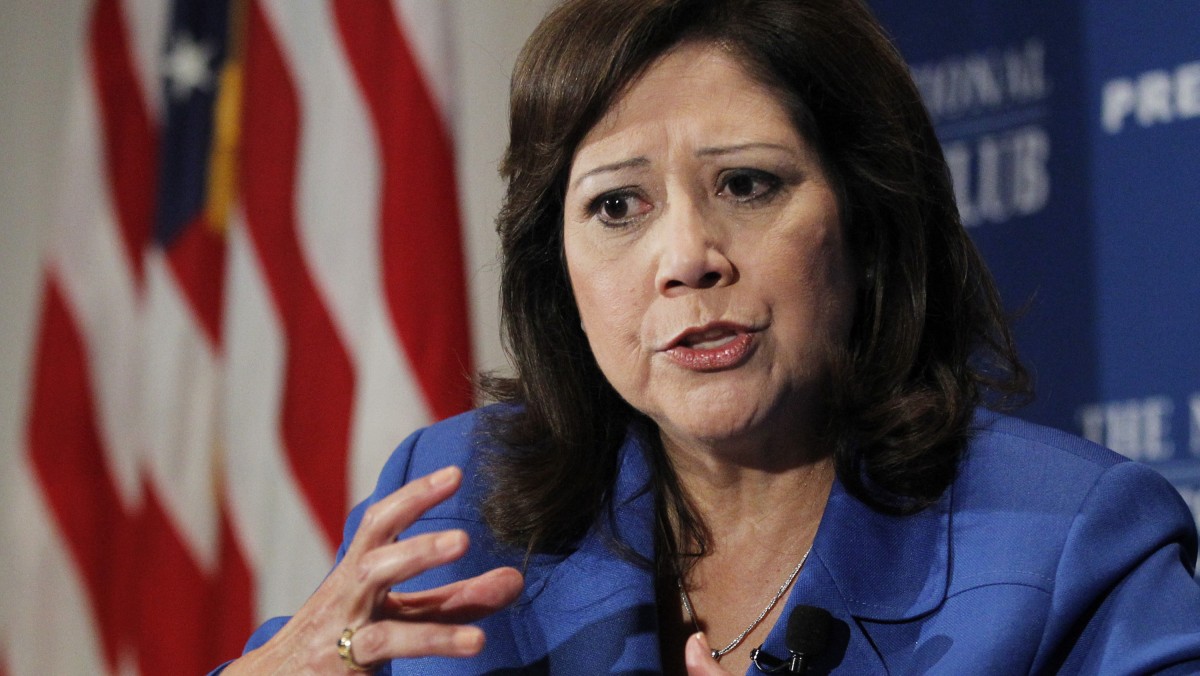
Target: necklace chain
{"x": 718, "y": 654}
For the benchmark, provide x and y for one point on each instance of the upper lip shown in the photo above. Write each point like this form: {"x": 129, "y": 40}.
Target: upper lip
{"x": 715, "y": 328}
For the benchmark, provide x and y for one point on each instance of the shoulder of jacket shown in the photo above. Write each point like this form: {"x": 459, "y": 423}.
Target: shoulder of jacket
{"x": 454, "y": 441}
{"x": 1020, "y": 490}
{"x": 1000, "y": 441}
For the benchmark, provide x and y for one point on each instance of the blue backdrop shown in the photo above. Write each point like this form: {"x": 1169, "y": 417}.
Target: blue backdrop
{"x": 1073, "y": 132}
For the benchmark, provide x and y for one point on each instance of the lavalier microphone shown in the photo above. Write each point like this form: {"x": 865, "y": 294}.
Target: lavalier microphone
{"x": 807, "y": 635}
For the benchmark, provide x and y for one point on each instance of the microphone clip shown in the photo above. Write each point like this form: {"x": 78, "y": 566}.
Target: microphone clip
{"x": 807, "y": 634}
{"x": 768, "y": 664}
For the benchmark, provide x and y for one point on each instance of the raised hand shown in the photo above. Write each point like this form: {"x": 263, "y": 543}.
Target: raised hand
{"x": 385, "y": 624}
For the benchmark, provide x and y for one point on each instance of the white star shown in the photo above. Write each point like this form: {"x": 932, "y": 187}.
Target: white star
{"x": 186, "y": 67}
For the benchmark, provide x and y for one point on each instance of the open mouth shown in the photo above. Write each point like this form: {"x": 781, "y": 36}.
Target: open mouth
{"x": 712, "y": 348}
{"x": 709, "y": 340}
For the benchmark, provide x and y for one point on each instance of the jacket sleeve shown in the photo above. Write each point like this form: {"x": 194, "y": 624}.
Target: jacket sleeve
{"x": 1125, "y": 600}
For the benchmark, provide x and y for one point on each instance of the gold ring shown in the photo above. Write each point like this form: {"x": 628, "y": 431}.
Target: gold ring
{"x": 346, "y": 655}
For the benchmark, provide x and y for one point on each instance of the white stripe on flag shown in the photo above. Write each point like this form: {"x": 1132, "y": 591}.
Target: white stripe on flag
{"x": 287, "y": 551}
{"x": 101, "y": 289}
{"x": 178, "y": 410}
{"x": 48, "y": 622}
{"x": 147, "y": 22}
{"x": 338, "y": 215}
{"x": 426, "y": 25}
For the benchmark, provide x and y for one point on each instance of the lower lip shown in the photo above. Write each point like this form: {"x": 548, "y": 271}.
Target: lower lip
{"x": 726, "y": 356}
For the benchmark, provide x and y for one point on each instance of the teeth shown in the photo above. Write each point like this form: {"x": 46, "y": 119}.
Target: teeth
{"x": 711, "y": 343}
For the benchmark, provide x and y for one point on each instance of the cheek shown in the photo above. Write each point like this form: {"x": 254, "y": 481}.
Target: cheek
{"x": 611, "y": 317}
{"x": 817, "y": 277}
{"x": 582, "y": 272}
{"x": 842, "y": 282}
{"x": 606, "y": 293}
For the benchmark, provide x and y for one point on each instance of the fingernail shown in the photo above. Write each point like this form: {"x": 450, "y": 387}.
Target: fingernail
{"x": 448, "y": 542}
{"x": 443, "y": 476}
{"x": 469, "y": 640}
{"x": 693, "y": 657}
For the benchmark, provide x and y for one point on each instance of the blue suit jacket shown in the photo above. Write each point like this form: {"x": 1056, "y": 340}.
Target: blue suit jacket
{"x": 1048, "y": 554}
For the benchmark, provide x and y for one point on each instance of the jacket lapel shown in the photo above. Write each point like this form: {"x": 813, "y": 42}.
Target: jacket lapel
{"x": 868, "y": 567}
{"x": 594, "y": 611}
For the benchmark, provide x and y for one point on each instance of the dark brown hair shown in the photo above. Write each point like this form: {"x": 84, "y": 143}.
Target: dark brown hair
{"x": 929, "y": 340}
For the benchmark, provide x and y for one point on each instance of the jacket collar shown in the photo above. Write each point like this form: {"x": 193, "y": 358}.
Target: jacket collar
{"x": 885, "y": 567}
{"x": 864, "y": 565}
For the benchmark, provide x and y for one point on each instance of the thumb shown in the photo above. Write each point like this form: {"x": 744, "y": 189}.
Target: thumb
{"x": 698, "y": 657}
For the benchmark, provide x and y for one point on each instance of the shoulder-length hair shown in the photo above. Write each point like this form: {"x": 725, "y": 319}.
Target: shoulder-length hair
{"x": 929, "y": 339}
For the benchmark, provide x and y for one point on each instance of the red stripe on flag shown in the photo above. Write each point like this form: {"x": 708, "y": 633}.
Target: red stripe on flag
{"x": 319, "y": 381}
{"x": 197, "y": 259}
{"x": 65, "y": 446}
{"x": 171, "y": 616}
{"x": 188, "y": 620}
{"x": 420, "y": 242}
{"x": 130, "y": 141}
{"x": 68, "y": 458}
{"x": 231, "y": 594}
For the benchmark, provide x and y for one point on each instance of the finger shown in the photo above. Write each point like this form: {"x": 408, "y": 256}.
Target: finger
{"x": 384, "y": 520}
{"x": 388, "y": 639}
{"x": 383, "y": 567}
{"x": 462, "y": 601}
{"x": 697, "y": 656}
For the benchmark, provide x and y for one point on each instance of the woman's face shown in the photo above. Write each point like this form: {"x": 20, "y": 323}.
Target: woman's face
{"x": 706, "y": 255}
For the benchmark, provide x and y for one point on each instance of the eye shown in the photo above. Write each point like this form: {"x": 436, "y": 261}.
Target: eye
{"x": 748, "y": 185}
{"x": 618, "y": 207}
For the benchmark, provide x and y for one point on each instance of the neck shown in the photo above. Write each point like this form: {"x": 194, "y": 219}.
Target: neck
{"x": 760, "y": 514}
{"x": 752, "y": 496}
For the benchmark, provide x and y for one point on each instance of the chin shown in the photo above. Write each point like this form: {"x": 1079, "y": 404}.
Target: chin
{"x": 738, "y": 420}
{"x": 709, "y": 426}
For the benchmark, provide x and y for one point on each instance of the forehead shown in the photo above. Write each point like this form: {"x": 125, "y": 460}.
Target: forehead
{"x": 704, "y": 85}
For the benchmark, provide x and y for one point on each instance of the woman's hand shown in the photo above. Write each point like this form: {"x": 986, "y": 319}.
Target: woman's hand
{"x": 386, "y": 624}
{"x": 698, "y": 658}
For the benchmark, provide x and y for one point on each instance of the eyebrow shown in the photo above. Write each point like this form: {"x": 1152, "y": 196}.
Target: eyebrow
{"x": 615, "y": 166}
{"x": 728, "y": 150}
{"x": 703, "y": 152}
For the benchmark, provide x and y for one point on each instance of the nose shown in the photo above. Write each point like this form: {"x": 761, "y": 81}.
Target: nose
{"x": 692, "y": 253}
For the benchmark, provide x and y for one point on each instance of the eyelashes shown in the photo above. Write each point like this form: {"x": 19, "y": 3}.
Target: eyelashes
{"x": 742, "y": 187}
{"x": 619, "y": 207}
{"x": 749, "y": 185}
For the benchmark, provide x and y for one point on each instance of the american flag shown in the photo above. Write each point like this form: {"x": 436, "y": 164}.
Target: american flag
{"x": 256, "y": 288}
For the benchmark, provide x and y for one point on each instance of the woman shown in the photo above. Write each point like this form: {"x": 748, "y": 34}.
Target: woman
{"x": 751, "y": 341}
